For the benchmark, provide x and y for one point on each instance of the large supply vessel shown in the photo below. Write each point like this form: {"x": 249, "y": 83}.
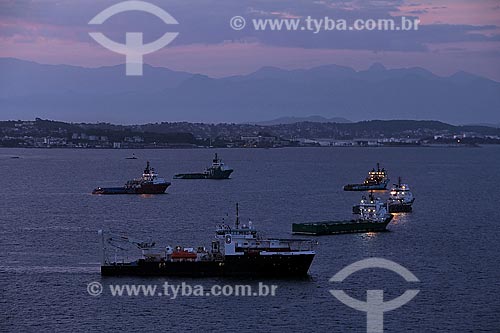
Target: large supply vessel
{"x": 236, "y": 251}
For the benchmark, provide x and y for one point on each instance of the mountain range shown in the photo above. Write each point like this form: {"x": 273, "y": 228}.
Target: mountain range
{"x": 294, "y": 120}
{"x": 78, "y": 94}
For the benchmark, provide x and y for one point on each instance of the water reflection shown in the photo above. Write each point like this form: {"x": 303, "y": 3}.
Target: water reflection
{"x": 400, "y": 218}
{"x": 369, "y": 235}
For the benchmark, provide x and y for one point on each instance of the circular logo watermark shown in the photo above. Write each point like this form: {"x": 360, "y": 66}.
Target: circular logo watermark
{"x": 374, "y": 306}
{"x": 237, "y": 22}
{"x": 94, "y": 288}
{"x": 134, "y": 48}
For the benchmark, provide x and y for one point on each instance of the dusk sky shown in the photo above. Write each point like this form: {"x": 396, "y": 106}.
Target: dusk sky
{"x": 454, "y": 35}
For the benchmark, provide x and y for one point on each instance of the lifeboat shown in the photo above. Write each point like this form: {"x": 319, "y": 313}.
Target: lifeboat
{"x": 183, "y": 255}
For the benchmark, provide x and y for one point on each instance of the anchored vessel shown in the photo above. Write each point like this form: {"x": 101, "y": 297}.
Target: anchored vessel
{"x": 217, "y": 171}
{"x": 376, "y": 180}
{"x": 373, "y": 217}
{"x": 133, "y": 157}
{"x": 238, "y": 251}
{"x": 401, "y": 199}
{"x": 149, "y": 183}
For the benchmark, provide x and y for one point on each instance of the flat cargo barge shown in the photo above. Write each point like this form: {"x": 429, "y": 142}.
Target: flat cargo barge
{"x": 339, "y": 227}
{"x": 373, "y": 218}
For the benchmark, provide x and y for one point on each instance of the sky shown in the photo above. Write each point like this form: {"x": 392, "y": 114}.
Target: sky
{"x": 453, "y": 35}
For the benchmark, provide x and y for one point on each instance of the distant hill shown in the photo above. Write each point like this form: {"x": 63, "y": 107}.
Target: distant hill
{"x": 294, "y": 120}
{"x": 184, "y": 132}
{"x": 71, "y": 93}
{"x": 486, "y": 124}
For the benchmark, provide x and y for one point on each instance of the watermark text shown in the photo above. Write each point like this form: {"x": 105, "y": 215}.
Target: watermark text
{"x": 173, "y": 291}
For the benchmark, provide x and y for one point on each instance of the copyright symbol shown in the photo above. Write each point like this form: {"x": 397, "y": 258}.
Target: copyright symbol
{"x": 237, "y": 22}
{"x": 94, "y": 288}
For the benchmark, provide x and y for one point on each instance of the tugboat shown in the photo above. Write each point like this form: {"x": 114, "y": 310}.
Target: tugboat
{"x": 376, "y": 180}
{"x": 401, "y": 199}
{"x": 149, "y": 183}
{"x": 238, "y": 251}
{"x": 373, "y": 217}
{"x": 216, "y": 171}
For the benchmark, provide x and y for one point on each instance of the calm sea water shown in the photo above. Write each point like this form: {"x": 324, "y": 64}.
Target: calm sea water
{"x": 49, "y": 249}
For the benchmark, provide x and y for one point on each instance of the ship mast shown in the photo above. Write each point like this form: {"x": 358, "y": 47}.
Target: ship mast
{"x": 237, "y": 216}
{"x": 103, "y": 248}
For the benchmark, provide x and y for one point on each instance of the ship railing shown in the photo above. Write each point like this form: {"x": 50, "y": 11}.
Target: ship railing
{"x": 299, "y": 244}
{"x": 222, "y": 227}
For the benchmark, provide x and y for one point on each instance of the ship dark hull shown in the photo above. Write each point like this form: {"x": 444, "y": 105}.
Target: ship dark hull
{"x": 243, "y": 266}
{"x": 190, "y": 176}
{"x": 339, "y": 227}
{"x": 215, "y": 175}
{"x": 363, "y": 187}
{"x": 393, "y": 208}
{"x": 143, "y": 189}
{"x": 400, "y": 208}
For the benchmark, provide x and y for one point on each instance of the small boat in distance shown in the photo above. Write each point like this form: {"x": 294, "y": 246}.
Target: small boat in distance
{"x": 149, "y": 183}
{"x": 217, "y": 171}
{"x": 401, "y": 199}
{"x": 373, "y": 217}
{"x": 235, "y": 251}
{"x": 376, "y": 180}
{"x": 133, "y": 157}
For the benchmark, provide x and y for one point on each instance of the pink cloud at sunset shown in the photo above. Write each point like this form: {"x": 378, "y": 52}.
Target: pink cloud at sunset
{"x": 481, "y": 12}
{"x": 454, "y": 36}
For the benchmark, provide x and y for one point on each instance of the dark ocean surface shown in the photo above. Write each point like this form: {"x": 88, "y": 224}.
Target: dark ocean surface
{"x": 49, "y": 247}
